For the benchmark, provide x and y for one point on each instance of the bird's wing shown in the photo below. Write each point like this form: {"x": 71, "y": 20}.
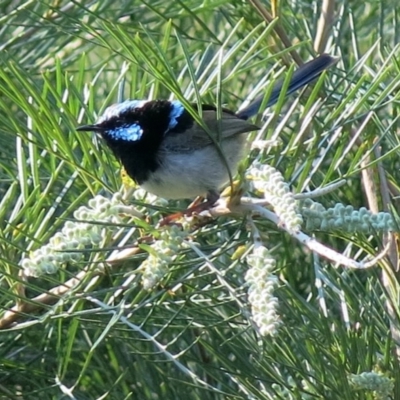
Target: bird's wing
{"x": 219, "y": 129}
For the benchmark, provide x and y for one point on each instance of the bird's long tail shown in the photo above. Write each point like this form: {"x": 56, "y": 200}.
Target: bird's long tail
{"x": 301, "y": 77}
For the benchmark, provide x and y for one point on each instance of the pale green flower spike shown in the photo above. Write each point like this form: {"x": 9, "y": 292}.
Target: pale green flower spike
{"x": 77, "y": 235}
{"x": 141, "y": 194}
{"x": 276, "y": 191}
{"x": 262, "y": 282}
{"x": 345, "y": 218}
{"x": 381, "y": 385}
{"x": 163, "y": 253}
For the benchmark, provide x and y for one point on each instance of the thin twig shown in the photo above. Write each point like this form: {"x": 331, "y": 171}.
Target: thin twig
{"x": 320, "y": 191}
{"x": 152, "y": 339}
{"x": 324, "y": 26}
{"x": 247, "y": 206}
{"x": 278, "y": 29}
{"x": 54, "y": 294}
{"x": 393, "y": 255}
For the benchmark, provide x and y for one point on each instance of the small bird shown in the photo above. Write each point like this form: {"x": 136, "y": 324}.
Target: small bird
{"x": 168, "y": 154}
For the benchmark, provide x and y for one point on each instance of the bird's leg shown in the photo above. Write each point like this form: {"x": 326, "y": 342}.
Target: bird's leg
{"x": 195, "y": 208}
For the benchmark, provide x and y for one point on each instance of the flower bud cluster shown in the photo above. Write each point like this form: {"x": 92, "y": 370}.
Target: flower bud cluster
{"x": 162, "y": 253}
{"x": 148, "y": 198}
{"x": 262, "y": 282}
{"x": 381, "y": 385}
{"x": 270, "y": 182}
{"x": 87, "y": 231}
{"x": 345, "y": 218}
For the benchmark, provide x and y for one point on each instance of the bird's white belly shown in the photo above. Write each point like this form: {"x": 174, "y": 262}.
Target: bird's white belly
{"x": 187, "y": 175}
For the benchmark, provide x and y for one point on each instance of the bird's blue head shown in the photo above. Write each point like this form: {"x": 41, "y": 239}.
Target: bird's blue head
{"x": 135, "y": 120}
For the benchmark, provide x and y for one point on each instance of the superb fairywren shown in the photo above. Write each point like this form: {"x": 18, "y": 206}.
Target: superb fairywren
{"x": 168, "y": 154}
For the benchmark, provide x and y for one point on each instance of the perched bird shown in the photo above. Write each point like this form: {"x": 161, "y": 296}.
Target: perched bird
{"x": 168, "y": 154}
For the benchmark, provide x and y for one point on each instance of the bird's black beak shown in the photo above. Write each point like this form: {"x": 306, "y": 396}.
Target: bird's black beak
{"x": 89, "y": 128}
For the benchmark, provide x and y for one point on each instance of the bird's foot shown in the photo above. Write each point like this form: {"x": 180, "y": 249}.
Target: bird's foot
{"x": 195, "y": 208}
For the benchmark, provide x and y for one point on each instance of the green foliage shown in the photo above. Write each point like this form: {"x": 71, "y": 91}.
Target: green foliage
{"x": 192, "y": 337}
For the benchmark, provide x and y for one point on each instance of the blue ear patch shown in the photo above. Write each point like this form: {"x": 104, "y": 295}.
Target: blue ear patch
{"x": 176, "y": 112}
{"x": 131, "y": 133}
